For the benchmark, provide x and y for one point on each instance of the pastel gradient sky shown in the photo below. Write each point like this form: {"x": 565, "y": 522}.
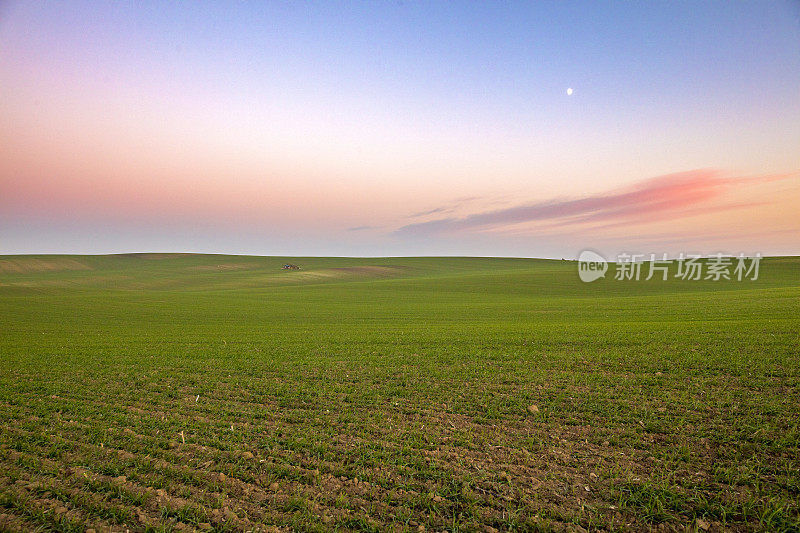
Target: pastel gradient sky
{"x": 400, "y": 128}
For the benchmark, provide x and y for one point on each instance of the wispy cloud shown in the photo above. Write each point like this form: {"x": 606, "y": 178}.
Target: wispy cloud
{"x": 362, "y": 228}
{"x": 661, "y": 197}
{"x": 455, "y": 205}
{"x": 429, "y": 212}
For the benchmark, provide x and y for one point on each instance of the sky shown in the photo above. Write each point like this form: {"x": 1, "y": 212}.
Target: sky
{"x": 528, "y": 129}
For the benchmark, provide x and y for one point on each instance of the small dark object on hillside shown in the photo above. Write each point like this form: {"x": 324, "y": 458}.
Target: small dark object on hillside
{"x": 289, "y": 266}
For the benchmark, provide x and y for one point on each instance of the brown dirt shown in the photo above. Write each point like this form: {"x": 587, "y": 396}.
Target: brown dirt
{"x": 54, "y": 264}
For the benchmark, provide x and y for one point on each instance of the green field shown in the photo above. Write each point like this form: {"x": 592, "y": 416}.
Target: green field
{"x": 178, "y": 392}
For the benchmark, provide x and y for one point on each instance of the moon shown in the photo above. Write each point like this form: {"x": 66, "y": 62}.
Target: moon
{"x": 569, "y": 91}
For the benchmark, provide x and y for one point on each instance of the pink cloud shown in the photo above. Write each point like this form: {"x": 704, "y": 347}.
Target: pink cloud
{"x": 663, "y": 197}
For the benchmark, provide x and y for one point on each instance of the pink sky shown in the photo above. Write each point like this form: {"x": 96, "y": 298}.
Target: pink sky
{"x": 121, "y": 136}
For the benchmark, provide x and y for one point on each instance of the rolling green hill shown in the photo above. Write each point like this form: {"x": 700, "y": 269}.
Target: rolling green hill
{"x": 171, "y": 391}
